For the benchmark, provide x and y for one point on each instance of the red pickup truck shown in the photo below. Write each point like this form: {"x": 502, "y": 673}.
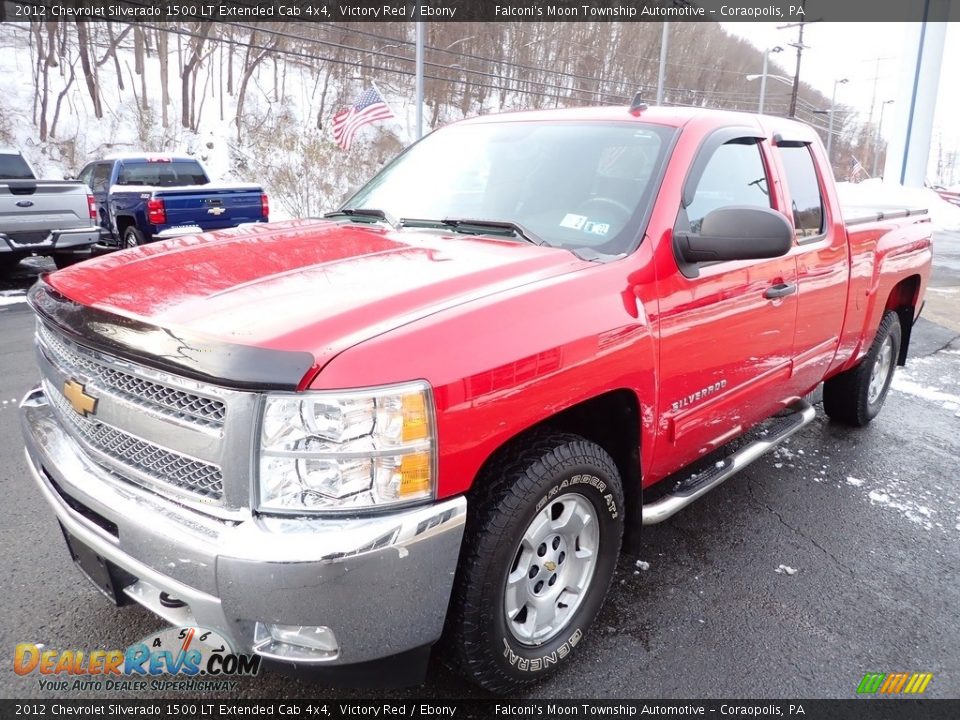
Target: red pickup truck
{"x": 445, "y": 409}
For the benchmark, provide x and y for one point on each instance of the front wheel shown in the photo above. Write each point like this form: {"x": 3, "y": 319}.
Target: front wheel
{"x": 855, "y": 397}
{"x": 539, "y": 553}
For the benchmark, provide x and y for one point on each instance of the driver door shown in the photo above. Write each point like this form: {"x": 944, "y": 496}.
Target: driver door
{"x": 726, "y": 328}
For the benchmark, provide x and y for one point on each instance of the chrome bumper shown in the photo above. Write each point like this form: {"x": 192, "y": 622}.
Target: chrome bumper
{"x": 73, "y": 239}
{"x": 380, "y": 583}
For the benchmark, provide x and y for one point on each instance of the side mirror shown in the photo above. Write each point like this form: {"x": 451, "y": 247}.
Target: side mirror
{"x": 736, "y": 233}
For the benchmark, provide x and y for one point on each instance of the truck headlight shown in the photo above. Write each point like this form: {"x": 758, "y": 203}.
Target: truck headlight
{"x": 347, "y": 450}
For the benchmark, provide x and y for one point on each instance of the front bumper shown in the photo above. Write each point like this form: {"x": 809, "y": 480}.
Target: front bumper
{"x": 56, "y": 241}
{"x": 380, "y": 583}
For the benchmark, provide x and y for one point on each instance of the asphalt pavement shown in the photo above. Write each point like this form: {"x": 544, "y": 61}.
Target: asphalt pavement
{"x": 869, "y": 520}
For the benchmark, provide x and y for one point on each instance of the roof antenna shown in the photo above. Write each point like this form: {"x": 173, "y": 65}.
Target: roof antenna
{"x": 638, "y": 105}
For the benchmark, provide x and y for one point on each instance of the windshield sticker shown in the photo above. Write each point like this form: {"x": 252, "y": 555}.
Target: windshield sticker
{"x": 572, "y": 221}
{"x": 596, "y": 228}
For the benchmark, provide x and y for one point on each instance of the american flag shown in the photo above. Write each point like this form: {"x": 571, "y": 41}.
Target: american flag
{"x": 856, "y": 170}
{"x": 369, "y": 108}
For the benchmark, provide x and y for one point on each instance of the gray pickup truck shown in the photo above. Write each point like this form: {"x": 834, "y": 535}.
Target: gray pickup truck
{"x": 56, "y": 218}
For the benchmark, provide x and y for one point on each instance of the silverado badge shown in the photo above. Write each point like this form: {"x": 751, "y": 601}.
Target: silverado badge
{"x": 81, "y": 401}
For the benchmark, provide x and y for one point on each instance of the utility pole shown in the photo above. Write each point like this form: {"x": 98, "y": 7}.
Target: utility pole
{"x": 796, "y": 75}
{"x": 833, "y": 111}
{"x": 877, "y": 141}
{"x": 664, "y": 42}
{"x": 800, "y": 48}
{"x": 419, "y": 78}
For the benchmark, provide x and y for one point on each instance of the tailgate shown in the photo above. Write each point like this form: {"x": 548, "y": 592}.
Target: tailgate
{"x": 212, "y": 209}
{"x": 31, "y": 209}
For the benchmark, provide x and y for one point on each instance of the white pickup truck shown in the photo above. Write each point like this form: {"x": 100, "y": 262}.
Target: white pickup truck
{"x": 57, "y": 218}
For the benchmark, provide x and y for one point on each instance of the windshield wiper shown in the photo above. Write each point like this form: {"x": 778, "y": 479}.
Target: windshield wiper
{"x": 469, "y": 226}
{"x": 364, "y": 215}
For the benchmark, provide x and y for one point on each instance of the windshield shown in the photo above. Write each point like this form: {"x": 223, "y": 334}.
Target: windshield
{"x": 162, "y": 173}
{"x": 574, "y": 185}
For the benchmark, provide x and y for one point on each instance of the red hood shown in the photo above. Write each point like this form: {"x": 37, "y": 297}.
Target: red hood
{"x": 306, "y": 285}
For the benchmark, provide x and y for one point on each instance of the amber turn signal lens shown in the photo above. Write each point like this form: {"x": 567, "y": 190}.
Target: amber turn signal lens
{"x": 415, "y": 474}
{"x": 415, "y": 421}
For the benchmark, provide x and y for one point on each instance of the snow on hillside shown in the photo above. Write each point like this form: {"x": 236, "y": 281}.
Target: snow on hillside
{"x": 281, "y": 148}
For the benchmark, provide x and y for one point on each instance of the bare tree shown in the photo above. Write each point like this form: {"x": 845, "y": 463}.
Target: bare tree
{"x": 83, "y": 47}
{"x": 187, "y": 81}
{"x": 164, "y": 57}
{"x": 251, "y": 60}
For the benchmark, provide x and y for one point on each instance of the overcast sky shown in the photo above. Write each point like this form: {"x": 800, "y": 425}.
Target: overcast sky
{"x": 850, "y": 50}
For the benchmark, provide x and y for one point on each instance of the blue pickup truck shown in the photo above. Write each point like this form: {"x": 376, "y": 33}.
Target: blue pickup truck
{"x": 146, "y": 197}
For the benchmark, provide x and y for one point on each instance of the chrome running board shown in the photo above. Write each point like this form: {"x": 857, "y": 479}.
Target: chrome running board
{"x": 686, "y": 491}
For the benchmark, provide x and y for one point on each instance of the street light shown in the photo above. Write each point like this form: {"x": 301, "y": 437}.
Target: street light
{"x": 833, "y": 105}
{"x": 763, "y": 77}
{"x": 876, "y": 144}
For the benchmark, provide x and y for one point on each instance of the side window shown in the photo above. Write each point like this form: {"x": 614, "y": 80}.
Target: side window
{"x": 735, "y": 175}
{"x": 86, "y": 175}
{"x": 101, "y": 177}
{"x": 804, "y": 188}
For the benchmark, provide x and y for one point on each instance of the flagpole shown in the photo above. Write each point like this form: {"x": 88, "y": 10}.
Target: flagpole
{"x": 419, "y": 74}
{"x": 382, "y": 96}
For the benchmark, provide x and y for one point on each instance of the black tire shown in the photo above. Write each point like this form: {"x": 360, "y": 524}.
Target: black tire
{"x": 132, "y": 238}
{"x": 847, "y": 397}
{"x": 532, "y": 479}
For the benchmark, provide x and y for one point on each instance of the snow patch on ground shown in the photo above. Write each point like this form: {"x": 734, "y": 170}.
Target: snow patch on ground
{"x": 856, "y": 482}
{"x": 12, "y": 297}
{"x": 786, "y": 570}
{"x": 914, "y": 512}
{"x": 948, "y": 401}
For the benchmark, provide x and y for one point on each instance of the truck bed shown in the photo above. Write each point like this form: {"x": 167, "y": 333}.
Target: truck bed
{"x": 860, "y": 214}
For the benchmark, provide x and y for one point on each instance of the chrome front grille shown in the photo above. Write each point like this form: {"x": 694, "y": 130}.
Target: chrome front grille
{"x": 153, "y": 396}
{"x": 178, "y": 437}
{"x": 164, "y": 466}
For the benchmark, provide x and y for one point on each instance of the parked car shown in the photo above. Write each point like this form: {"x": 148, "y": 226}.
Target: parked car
{"x": 145, "y": 197}
{"x": 53, "y": 218}
{"x": 444, "y": 409}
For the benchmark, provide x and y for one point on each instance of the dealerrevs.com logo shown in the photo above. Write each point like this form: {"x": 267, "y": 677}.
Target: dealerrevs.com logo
{"x": 188, "y": 659}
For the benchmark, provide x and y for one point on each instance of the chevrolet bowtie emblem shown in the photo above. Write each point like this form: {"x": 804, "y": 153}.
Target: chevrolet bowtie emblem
{"x": 76, "y": 394}
{"x": 216, "y": 211}
{"x": 550, "y": 566}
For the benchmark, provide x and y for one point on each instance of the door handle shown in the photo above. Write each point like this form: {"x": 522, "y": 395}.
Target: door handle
{"x": 780, "y": 290}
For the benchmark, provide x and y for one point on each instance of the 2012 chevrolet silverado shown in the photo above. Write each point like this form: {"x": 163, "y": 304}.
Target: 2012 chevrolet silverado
{"x": 441, "y": 411}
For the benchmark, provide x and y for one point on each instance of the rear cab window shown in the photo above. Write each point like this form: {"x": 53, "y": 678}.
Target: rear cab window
{"x": 101, "y": 177}
{"x": 14, "y": 167}
{"x": 157, "y": 173}
{"x": 803, "y": 187}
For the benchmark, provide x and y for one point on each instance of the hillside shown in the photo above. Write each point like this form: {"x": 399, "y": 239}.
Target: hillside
{"x": 254, "y": 102}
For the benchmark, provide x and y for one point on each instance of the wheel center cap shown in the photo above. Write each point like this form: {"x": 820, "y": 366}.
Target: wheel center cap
{"x": 550, "y": 566}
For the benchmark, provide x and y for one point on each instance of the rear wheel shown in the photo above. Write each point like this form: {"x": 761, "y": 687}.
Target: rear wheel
{"x": 132, "y": 237}
{"x": 855, "y": 397}
{"x": 539, "y": 553}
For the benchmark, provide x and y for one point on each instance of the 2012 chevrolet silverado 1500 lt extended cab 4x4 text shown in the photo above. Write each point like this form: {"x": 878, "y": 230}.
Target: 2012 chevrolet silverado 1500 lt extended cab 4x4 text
{"x": 441, "y": 411}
